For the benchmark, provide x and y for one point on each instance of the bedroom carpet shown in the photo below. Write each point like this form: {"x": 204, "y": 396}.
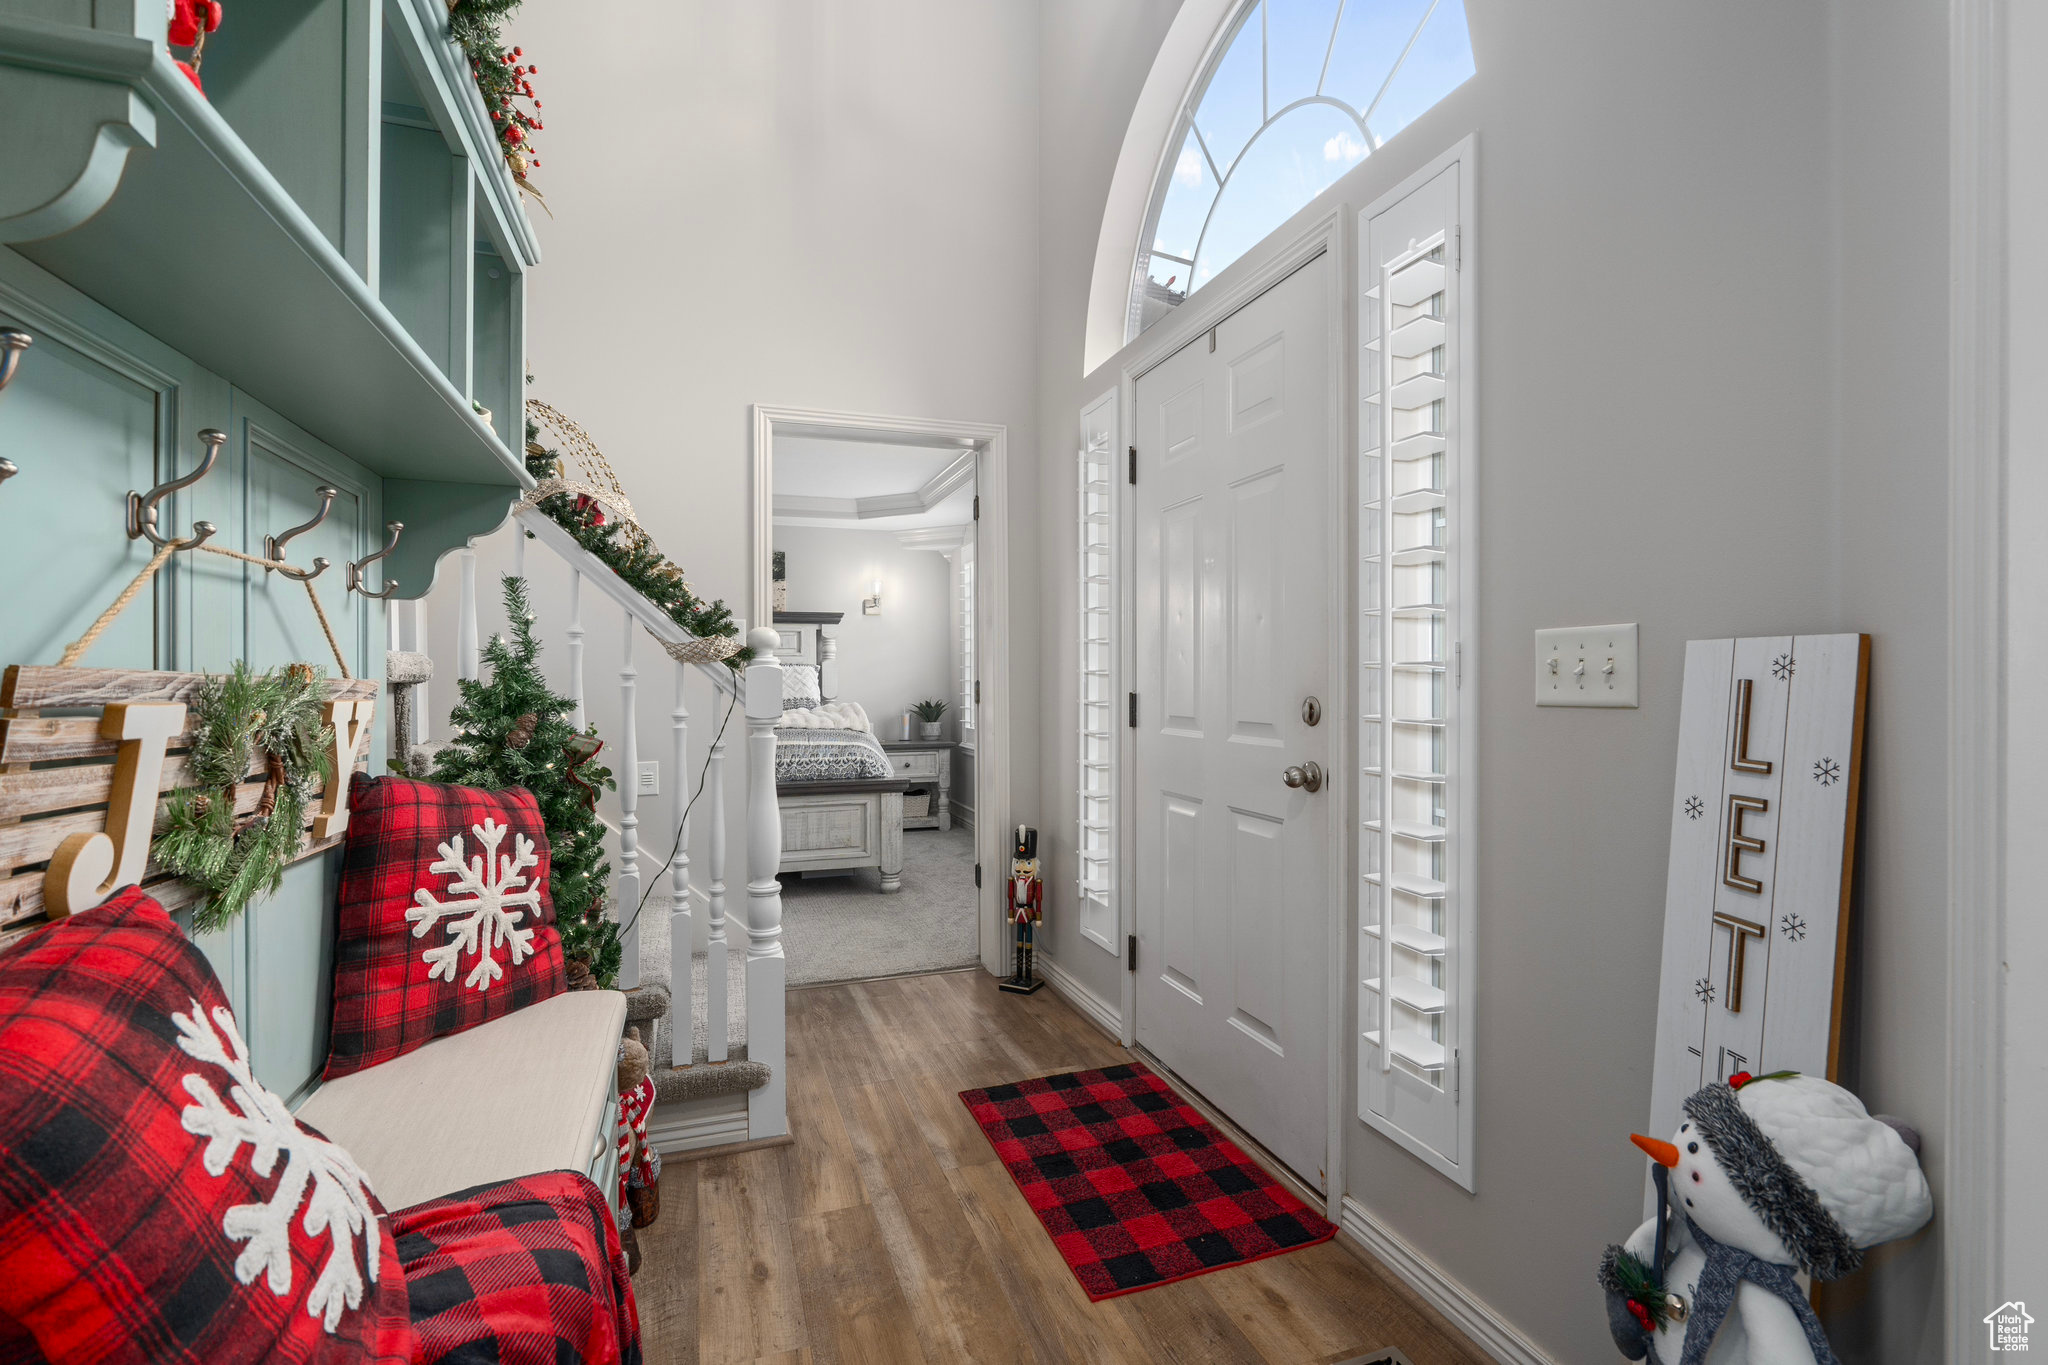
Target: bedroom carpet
{"x": 844, "y": 929}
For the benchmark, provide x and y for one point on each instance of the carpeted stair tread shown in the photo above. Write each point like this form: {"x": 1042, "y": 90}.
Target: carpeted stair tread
{"x": 646, "y": 1002}
{"x": 703, "y": 1079}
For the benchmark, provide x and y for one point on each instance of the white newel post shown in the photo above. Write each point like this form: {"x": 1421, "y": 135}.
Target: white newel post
{"x": 468, "y": 653}
{"x": 767, "y": 1106}
{"x": 717, "y": 1015}
{"x": 629, "y": 813}
{"x": 576, "y": 649}
{"x": 679, "y": 945}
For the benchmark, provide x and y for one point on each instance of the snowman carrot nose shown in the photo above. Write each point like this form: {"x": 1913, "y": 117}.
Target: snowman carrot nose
{"x": 1663, "y": 1153}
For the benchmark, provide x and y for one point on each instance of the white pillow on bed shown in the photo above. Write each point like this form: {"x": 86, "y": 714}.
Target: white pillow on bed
{"x": 800, "y": 690}
{"x": 832, "y": 715}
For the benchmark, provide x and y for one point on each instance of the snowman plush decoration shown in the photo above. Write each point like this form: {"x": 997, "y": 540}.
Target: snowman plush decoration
{"x": 1767, "y": 1177}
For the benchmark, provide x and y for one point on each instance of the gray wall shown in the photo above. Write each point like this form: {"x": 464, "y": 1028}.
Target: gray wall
{"x": 886, "y": 662}
{"x": 808, "y": 204}
{"x": 1711, "y": 367}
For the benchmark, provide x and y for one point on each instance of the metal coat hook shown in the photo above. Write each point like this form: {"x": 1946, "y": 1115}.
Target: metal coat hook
{"x": 142, "y": 506}
{"x": 273, "y": 546}
{"x": 12, "y": 343}
{"x": 358, "y": 582}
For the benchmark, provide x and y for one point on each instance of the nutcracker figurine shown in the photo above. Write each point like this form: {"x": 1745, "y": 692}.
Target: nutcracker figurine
{"x": 1026, "y": 908}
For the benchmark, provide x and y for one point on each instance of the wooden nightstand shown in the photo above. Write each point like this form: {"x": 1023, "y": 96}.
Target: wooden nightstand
{"x": 926, "y": 762}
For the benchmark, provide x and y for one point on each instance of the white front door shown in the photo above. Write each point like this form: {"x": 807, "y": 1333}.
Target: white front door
{"x": 1233, "y": 638}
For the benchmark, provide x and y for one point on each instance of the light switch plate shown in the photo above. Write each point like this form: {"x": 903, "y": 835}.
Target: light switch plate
{"x": 650, "y": 778}
{"x": 1587, "y": 666}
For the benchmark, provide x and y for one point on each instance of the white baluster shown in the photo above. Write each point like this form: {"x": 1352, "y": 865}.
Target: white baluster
{"x": 421, "y": 703}
{"x": 576, "y": 648}
{"x": 717, "y": 1010}
{"x": 768, "y": 1106}
{"x": 467, "y": 652}
{"x": 679, "y": 944}
{"x": 391, "y": 626}
{"x": 518, "y": 549}
{"x": 629, "y": 818}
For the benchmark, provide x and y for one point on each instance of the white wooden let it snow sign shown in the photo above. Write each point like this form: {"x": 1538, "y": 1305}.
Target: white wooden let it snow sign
{"x": 1770, "y": 760}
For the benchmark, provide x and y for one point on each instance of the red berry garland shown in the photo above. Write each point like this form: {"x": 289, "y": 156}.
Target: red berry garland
{"x": 503, "y": 78}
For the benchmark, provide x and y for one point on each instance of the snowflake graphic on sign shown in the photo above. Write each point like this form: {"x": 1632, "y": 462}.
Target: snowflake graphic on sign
{"x": 317, "y": 1174}
{"x": 483, "y": 908}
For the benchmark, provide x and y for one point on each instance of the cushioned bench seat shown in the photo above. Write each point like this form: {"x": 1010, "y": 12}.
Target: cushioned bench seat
{"x": 530, "y": 1091}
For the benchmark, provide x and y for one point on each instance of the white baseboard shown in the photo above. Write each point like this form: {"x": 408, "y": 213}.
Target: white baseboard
{"x": 1470, "y": 1314}
{"x": 709, "y": 1122}
{"x": 1093, "y": 1007}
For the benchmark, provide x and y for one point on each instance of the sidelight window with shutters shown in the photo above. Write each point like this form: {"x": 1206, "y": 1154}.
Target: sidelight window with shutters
{"x": 1417, "y": 615}
{"x": 1095, "y": 839}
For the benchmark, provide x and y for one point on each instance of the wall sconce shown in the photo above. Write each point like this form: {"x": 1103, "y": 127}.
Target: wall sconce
{"x": 872, "y": 606}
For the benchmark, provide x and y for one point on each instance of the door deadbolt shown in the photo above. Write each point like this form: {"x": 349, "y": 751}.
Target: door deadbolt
{"x": 1305, "y": 775}
{"x": 1312, "y": 711}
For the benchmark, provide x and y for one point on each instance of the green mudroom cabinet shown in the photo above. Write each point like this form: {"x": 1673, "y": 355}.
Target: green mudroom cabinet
{"x": 323, "y": 257}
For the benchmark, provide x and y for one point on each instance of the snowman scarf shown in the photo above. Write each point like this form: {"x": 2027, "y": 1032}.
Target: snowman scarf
{"x": 1714, "y": 1294}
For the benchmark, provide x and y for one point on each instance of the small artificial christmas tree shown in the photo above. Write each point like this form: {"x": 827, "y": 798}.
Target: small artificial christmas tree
{"x": 512, "y": 731}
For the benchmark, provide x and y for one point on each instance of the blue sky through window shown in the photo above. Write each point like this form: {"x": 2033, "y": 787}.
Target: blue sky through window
{"x": 1304, "y": 91}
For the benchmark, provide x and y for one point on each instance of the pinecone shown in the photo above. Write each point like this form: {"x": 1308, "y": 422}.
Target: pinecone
{"x": 302, "y": 674}
{"x": 581, "y": 978}
{"x": 522, "y": 730}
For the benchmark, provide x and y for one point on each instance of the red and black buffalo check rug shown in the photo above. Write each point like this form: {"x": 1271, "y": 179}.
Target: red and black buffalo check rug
{"x": 1133, "y": 1185}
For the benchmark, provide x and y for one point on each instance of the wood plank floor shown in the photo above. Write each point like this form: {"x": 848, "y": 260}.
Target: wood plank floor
{"x": 888, "y": 1232}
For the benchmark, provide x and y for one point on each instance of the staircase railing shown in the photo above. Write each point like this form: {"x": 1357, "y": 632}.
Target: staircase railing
{"x": 653, "y": 957}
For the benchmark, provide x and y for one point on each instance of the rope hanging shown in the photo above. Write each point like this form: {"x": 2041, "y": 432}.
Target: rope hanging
{"x": 76, "y": 651}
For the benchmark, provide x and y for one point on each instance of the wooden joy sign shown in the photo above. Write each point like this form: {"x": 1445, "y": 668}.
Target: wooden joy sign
{"x": 1770, "y": 760}
{"x": 71, "y": 834}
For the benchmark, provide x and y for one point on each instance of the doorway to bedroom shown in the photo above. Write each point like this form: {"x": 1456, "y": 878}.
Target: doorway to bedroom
{"x": 872, "y": 556}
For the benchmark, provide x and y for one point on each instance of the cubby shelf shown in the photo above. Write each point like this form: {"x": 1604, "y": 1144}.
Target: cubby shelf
{"x": 202, "y": 247}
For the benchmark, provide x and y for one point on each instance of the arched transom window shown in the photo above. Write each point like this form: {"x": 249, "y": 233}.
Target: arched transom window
{"x": 1299, "y": 93}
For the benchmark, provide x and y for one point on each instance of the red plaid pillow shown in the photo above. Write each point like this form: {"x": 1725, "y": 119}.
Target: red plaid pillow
{"x": 523, "y": 1272}
{"x": 445, "y": 921}
{"x": 156, "y": 1202}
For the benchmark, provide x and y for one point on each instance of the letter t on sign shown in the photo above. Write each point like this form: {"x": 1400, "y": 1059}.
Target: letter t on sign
{"x": 351, "y": 722}
{"x": 1740, "y": 932}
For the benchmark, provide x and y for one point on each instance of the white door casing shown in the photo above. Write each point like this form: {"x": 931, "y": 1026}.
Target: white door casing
{"x": 1234, "y": 631}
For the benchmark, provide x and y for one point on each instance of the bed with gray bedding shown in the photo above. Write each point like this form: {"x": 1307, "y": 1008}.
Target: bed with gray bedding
{"x": 806, "y": 755}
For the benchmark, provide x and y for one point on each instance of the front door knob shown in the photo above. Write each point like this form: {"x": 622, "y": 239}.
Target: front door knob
{"x": 1309, "y": 775}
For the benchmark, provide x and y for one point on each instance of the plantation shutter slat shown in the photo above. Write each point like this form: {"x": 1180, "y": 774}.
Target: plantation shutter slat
{"x": 1414, "y": 734}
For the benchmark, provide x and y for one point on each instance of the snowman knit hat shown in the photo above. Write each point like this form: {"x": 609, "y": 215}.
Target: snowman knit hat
{"x": 1825, "y": 1177}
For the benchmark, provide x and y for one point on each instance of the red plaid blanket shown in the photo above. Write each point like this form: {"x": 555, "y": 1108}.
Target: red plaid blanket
{"x": 523, "y": 1272}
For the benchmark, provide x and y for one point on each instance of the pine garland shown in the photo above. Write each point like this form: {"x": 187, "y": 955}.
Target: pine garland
{"x": 512, "y": 730}
{"x": 234, "y": 716}
{"x": 631, "y": 554}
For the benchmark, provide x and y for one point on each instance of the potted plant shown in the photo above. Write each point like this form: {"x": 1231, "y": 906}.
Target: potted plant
{"x": 929, "y": 714}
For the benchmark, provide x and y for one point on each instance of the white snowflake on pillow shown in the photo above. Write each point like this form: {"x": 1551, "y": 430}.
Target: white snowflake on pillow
{"x": 483, "y": 908}
{"x": 318, "y": 1174}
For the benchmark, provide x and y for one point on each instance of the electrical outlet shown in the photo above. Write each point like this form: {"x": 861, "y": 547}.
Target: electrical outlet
{"x": 1587, "y": 666}
{"x": 650, "y": 778}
